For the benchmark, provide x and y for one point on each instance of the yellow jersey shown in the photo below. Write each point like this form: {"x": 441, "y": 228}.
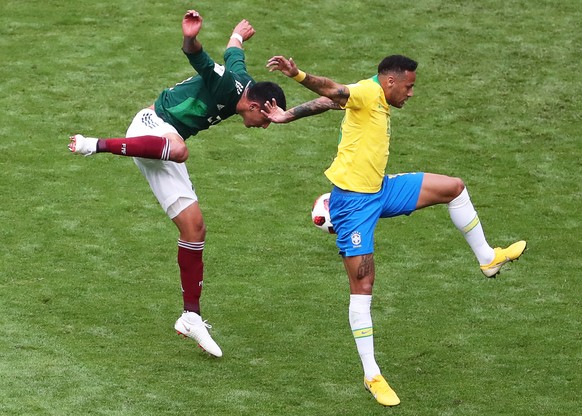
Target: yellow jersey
{"x": 362, "y": 156}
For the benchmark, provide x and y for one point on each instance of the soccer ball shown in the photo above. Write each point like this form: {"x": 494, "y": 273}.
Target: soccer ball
{"x": 320, "y": 214}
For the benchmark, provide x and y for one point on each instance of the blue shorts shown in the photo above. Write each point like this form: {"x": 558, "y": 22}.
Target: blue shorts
{"x": 354, "y": 215}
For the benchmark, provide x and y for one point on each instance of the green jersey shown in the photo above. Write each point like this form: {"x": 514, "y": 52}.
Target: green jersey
{"x": 207, "y": 98}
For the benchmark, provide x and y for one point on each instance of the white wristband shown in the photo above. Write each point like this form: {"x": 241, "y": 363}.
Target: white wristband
{"x": 237, "y": 37}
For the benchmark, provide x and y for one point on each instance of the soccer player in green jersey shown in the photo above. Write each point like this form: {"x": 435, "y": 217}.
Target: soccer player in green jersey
{"x": 156, "y": 139}
{"x": 363, "y": 193}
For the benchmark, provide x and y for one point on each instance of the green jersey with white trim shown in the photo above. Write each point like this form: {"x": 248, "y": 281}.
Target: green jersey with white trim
{"x": 207, "y": 98}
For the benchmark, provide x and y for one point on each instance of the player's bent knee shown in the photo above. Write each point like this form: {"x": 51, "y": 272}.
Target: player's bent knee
{"x": 179, "y": 153}
{"x": 178, "y": 149}
{"x": 195, "y": 228}
{"x": 457, "y": 186}
{"x": 193, "y": 231}
{"x": 200, "y": 229}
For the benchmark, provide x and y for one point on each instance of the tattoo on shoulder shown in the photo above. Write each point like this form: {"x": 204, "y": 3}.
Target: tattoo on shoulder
{"x": 343, "y": 92}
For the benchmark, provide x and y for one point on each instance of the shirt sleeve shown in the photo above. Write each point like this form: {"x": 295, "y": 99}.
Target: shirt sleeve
{"x": 215, "y": 76}
{"x": 234, "y": 60}
{"x": 205, "y": 66}
{"x": 359, "y": 96}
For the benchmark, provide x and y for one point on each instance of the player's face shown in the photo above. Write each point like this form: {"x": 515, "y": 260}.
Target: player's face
{"x": 400, "y": 88}
{"x": 254, "y": 117}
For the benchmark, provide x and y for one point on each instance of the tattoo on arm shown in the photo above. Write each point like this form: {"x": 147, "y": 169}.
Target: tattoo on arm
{"x": 327, "y": 88}
{"x": 318, "y": 84}
{"x": 315, "y": 82}
{"x": 313, "y": 107}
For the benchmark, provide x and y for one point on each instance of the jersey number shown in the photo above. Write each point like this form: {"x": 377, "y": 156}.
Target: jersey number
{"x": 214, "y": 120}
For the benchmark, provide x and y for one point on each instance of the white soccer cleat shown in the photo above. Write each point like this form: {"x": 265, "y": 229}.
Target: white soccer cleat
{"x": 191, "y": 325}
{"x": 82, "y": 145}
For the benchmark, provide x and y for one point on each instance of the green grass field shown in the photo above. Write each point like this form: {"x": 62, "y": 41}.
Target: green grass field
{"x": 89, "y": 286}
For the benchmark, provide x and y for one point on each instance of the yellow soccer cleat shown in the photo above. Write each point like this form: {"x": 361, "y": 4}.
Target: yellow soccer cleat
{"x": 381, "y": 391}
{"x": 503, "y": 256}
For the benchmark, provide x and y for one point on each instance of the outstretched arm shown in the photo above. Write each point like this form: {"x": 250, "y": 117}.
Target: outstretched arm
{"x": 241, "y": 33}
{"x": 191, "y": 25}
{"x": 326, "y": 87}
{"x": 310, "y": 108}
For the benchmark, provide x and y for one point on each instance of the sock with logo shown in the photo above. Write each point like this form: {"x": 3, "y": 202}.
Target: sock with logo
{"x": 361, "y": 324}
{"x": 466, "y": 220}
{"x": 148, "y": 147}
{"x": 191, "y": 273}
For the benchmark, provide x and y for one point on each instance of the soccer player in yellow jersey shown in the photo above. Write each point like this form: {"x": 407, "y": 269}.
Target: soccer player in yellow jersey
{"x": 363, "y": 193}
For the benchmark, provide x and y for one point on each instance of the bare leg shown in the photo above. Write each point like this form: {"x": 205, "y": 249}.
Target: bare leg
{"x": 361, "y": 273}
{"x": 438, "y": 189}
{"x": 191, "y": 224}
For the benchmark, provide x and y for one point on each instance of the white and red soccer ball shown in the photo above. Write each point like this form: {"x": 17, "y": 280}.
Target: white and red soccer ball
{"x": 320, "y": 214}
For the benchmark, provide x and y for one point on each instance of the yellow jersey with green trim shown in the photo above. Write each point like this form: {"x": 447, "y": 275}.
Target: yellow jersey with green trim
{"x": 362, "y": 156}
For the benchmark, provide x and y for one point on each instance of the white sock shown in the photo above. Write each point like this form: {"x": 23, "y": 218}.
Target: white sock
{"x": 363, "y": 331}
{"x": 466, "y": 220}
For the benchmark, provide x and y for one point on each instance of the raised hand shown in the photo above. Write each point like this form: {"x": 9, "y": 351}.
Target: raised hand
{"x": 191, "y": 24}
{"x": 280, "y": 63}
{"x": 275, "y": 113}
{"x": 245, "y": 29}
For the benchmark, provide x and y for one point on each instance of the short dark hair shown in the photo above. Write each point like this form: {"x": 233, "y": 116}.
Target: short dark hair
{"x": 262, "y": 92}
{"x": 397, "y": 63}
